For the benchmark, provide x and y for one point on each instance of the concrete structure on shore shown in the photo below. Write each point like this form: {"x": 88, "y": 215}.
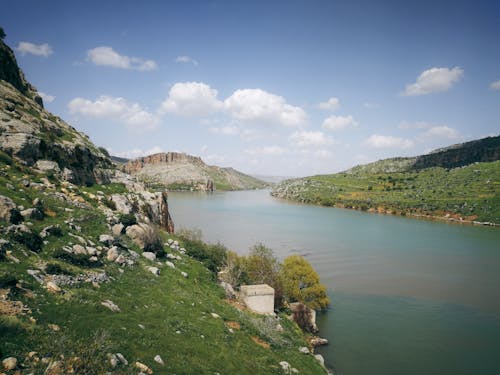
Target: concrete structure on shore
{"x": 258, "y": 298}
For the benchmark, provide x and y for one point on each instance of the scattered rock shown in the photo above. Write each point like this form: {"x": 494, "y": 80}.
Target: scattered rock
{"x": 117, "y": 229}
{"x": 304, "y": 350}
{"x": 6, "y": 205}
{"x": 229, "y": 290}
{"x": 53, "y": 287}
{"x": 9, "y": 363}
{"x": 142, "y": 367}
{"x": 320, "y": 359}
{"x": 121, "y": 259}
{"x": 113, "y": 360}
{"x": 106, "y": 239}
{"x": 35, "y": 273}
{"x": 286, "y": 367}
{"x": 112, "y": 254}
{"x": 184, "y": 274}
{"x": 79, "y": 249}
{"x": 91, "y": 250}
{"x": 154, "y": 270}
{"x": 110, "y": 305}
{"x": 55, "y": 368}
{"x": 170, "y": 264}
{"x": 214, "y": 315}
{"x": 137, "y": 233}
{"x": 121, "y": 358}
{"x": 318, "y": 341}
{"x": 149, "y": 255}
{"x": 158, "y": 359}
{"x": 54, "y": 327}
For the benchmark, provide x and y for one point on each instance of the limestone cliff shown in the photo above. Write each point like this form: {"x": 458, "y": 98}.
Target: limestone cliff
{"x": 179, "y": 171}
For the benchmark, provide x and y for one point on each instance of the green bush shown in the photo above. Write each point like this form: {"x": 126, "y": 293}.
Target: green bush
{"x": 153, "y": 243}
{"x": 82, "y": 260}
{"x": 56, "y": 269}
{"x": 15, "y": 216}
{"x": 109, "y": 203}
{"x": 7, "y": 280}
{"x": 31, "y": 240}
{"x": 213, "y": 256}
{"x": 127, "y": 219}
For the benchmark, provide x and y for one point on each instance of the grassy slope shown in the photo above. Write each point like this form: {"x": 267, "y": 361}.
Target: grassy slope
{"x": 471, "y": 192}
{"x": 163, "y": 305}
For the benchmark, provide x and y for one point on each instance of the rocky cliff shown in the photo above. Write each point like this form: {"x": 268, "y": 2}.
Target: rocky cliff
{"x": 179, "y": 171}
{"x": 31, "y": 134}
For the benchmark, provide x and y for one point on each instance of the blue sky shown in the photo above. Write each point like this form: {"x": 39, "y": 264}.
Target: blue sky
{"x": 269, "y": 87}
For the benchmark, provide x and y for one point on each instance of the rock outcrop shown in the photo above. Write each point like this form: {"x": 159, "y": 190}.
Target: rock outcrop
{"x": 30, "y": 133}
{"x": 179, "y": 171}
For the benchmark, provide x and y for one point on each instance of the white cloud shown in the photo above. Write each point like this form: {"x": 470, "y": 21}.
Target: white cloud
{"x": 387, "y": 141}
{"x": 434, "y": 80}
{"x": 107, "y": 56}
{"x": 268, "y": 150}
{"x": 137, "y": 152}
{"x": 225, "y": 130}
{"x": 257, "y": 105}
{"x": 186, "y": 59}
{"x": 191, "y": 99}
{"x": 46, "y": 97}
{"x": 119, "y": 109}
{"x": 441, "y": 132}
{"x": 495, "y": 85}
{"x": 44, "y": 50}
{"x": 331, "y": 104}
{"x": 339, "y": 122}
{"x": 310, "y": 138}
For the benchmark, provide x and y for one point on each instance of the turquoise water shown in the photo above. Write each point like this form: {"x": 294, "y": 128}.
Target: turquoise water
{"x": 408, "y": 296}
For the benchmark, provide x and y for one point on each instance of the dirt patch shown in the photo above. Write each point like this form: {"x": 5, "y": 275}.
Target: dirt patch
{"x": 260, "y": 342}
{"x": 233, "y": 325}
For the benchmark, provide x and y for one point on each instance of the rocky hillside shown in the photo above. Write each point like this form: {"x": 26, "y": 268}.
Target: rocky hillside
{"x": 92, "y": 278}
{"x": 458, "y": 155}
{"x": 30, "y": 133}
{"x": 179, "y": 171}
{"x": 467, "y": 193}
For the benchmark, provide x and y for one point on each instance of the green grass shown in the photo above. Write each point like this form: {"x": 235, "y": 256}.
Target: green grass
{"x": 471, "y": 192}
{"x": 163, "y": 305}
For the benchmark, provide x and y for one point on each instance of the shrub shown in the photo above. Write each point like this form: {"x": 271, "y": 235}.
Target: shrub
{"x": 213, "y": 256}
{"x": 7, "y": 280}
{"x": 152, "y": 241}
{"x": 127, "y": 219}
{"x": 39, "y": 213}
{"x": 82, "y": 260}
{"x": 56, "y": 269}
{"x": 31, "y": 240}
{"x": 15, "y": 216}
{"x": 109, "y": 203}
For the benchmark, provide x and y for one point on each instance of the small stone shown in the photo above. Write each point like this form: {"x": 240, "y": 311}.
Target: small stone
{"x": 113, "y": 360}
{"x": 117, "y": 229}
{"x": 286, "y": 367}
{"x": 158, "y": 359}
{"x": 170, "y": 264}
{"x": 112, "y": 254}
{"x": 184, "y": 274}
{"x": 304, "y": 350}
{"x": 320, "y": 359}
{"x": 121, "y": 259}
{"x": 214, "y": 315}
{"x": 54, "y": 327}
{"x": 106, "y": 239}
{"x": 55, "y": 368}
{"x": 53, "y": 287}
{"x": 149, "y": 255}
{"x": 79, "y": 249}
{"x": 142, "y": 367}
{"x": 110, "y": 305}
{"x": 9, "y": 363}
{"x": 141, "y": 326}
{"x": 121, "y": 358}
{"x": 154, "y": 270}
{"x": 91, "y": 250}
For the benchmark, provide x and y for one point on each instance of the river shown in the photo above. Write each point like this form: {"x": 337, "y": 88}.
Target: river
{"x": 408, "y": 296}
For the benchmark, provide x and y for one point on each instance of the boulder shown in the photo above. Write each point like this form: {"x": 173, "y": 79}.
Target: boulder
{"x": 117, "y": 229}
{"x": 154, "y": 270}
{"x": 79, "y": 249}
{"x": 6, "y": 205}
{"x": 320, "y": 359}
{"x": 110, "y": 305}
{"x": 9, "y": 363}
{"x": 112, "y": 254}
{"x": 121, "y": 259}
{"x": 53, "y": 287}
{"x": 47, "y": 166}
{"x": 228, "y": 289}
{"x": 138, "y": 233}
{"x": 149, "y": 255}
{"x": 106, "y": 239}
{"x": 184, "y": 274}
{"x": 170, "y": 264}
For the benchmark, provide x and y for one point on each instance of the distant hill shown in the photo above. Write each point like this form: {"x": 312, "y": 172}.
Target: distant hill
{"x": 458, "y": 155}
{"x": 179, "y": 171}
{"x": 119, "y": 160}
{"x": 460, "y": 182}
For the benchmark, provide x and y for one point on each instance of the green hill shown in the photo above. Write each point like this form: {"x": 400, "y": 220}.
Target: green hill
{"x": 469, "y": 192}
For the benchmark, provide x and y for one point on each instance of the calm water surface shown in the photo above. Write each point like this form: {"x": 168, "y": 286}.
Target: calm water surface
{"x": 408, "y": 296}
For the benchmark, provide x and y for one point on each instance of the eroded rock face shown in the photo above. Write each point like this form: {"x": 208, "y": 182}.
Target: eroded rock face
{"x": 6, "y": 205}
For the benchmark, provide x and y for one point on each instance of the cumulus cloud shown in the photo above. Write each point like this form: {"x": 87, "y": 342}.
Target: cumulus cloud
{"x": 186, "y": 60}
{"x": 339, "y": 122}
{"x": 119, "y": 109}
{"x": 310, "y": 138}
{"x": 434, "y": 80}
{"x": 387, "y": 141}
{"x": 495, "y": 85}
{"x": 191, "y": 99}
{"x": 44, "y": 50}
{"x": 441, "y": 132}
{"x": 46, "y": 97}
{"x": 137, "y": 152}
{"x": 267, "y": 150}
{"x": 257, "y": 105}
{"x": 107, "y": 56}
{"x": 331, "y": 104}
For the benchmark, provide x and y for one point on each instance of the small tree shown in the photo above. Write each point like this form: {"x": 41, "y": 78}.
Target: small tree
{"x": 2, "y": 33}
{"x": 301, "y": 283}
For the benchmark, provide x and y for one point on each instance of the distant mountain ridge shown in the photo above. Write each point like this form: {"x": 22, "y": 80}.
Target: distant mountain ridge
{"x": 457, "y": 155}
{"x": 180, "y": 171}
